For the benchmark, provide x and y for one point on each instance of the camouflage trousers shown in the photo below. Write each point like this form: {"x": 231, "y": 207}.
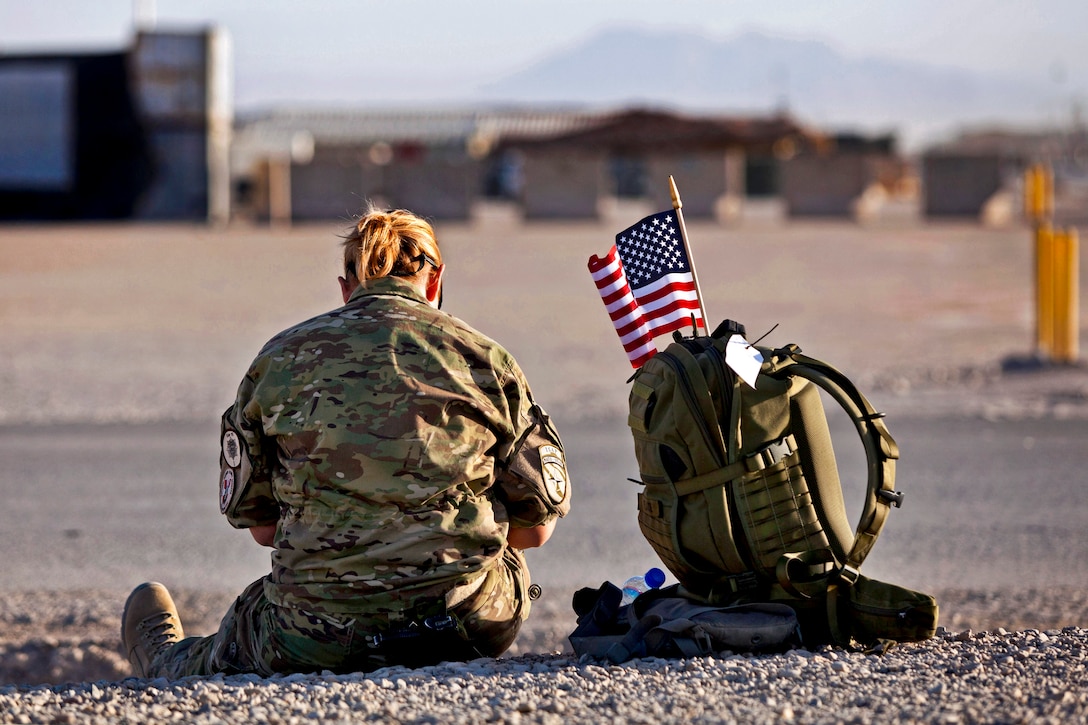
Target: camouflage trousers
{"x": 257, "y": 636}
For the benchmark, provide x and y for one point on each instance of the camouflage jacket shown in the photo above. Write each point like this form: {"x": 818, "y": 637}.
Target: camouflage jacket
{"x": 393, "y": 446}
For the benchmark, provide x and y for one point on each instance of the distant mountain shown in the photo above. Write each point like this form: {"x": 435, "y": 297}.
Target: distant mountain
{"x": 755, "y": 72}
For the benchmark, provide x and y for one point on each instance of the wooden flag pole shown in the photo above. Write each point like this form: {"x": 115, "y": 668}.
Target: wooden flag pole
{"x": 678, "y": 206}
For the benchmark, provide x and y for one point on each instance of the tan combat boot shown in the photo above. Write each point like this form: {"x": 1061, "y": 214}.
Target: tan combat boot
{"x": 149, "y": 624}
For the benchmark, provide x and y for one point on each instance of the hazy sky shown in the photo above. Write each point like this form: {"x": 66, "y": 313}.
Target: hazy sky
{"x": 345, "y": 51}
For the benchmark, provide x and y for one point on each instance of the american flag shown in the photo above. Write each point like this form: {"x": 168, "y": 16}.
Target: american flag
{"x": 647, "y": 284}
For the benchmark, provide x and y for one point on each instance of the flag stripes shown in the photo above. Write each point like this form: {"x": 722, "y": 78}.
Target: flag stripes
{"x": 665, "y": 297}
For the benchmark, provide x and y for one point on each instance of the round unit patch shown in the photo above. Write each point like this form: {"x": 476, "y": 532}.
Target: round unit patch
{"x": 554, "y": 468}
{"x": 226, "y": 490}
{"x": 232, "y": 449}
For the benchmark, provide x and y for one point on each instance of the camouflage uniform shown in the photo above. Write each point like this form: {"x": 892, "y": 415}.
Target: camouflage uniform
{"x": 393, "y": 446}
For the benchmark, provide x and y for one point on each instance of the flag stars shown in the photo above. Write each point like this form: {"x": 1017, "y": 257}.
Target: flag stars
{"x": 651, "y": 249}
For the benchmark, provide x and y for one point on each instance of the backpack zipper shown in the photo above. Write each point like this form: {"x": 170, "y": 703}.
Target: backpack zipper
{"x": 693, "y": 403}
{"x": 901, "y": 613}
{"x": 726, "y": 379}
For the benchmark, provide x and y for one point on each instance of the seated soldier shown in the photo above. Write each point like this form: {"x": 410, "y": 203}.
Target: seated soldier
{"x": 394, "y": 459}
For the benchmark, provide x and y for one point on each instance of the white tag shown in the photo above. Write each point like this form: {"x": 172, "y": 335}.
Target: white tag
{"x": 744, "y": 359}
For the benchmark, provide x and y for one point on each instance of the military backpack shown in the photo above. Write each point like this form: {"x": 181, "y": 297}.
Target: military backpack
{"x": 741, "y": 497}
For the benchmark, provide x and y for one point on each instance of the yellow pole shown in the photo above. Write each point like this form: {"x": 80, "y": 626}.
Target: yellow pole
{"x": 1031, "y": 193}
{"x": 1053, "y": 292}
{"x": 1066, "y": 297}
{"x": 1047, "y": 183}
{"x": 1038, "y": 193}
{"x": 1074, "y": 295}
{"x": 1061, "y": 294}
{"x": 1044, "y": 290}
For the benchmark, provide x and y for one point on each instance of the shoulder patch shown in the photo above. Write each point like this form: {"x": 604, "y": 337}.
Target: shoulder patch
{"x": 226, "y": 490}
{"x": 232, "y": 449}
{"x": 553, "y": 466}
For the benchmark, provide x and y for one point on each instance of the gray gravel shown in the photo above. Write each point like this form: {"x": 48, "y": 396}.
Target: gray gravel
{"x": 1026, "y": 676}
{"x": 64, "y": 648}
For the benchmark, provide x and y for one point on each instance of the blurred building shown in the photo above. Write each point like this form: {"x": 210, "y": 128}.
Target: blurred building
{"x": 549, "y": 164}
{"x": 630, "y": 155}
{"x": 309, "y": 165}
{"x": 846, "y": 175}
{"x": 979, "y": 174}
{"x": 182, "y": 82}
{"x": 139, "y": 133}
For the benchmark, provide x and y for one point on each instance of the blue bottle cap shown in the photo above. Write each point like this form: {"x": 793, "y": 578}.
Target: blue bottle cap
{"x": 655, "y": 578}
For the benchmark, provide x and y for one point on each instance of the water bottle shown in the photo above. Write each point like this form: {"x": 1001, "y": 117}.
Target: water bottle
{"x": 636, "y": 585}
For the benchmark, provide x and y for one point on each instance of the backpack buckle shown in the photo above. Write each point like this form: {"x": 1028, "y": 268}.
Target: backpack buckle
{"x": 771, "y": 454}
{"x": 849, "y": 574}
{"x": 440, "y": 623}
{"x": 745, "y": 582}
{"x": 895, "y": 498}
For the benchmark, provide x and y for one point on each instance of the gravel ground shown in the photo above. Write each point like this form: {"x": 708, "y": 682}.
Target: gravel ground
{"x": 947, "y": 318}
{"x": 1016, "y": 657}
{"x": 1002, "y": 658}
{"x": 1028, "y": 676}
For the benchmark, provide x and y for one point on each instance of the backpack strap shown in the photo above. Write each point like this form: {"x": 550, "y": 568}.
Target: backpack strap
{"x": 881, "y": 450}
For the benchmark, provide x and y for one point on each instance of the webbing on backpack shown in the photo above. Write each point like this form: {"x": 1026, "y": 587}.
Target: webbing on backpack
{"x": 881, "y": 450}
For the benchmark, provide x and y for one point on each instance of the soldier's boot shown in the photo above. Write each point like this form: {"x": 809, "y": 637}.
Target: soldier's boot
{"x": 149, "y": 625}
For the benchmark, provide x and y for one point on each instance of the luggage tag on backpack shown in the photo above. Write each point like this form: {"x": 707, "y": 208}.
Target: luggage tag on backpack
{"x": 744, "y": 359}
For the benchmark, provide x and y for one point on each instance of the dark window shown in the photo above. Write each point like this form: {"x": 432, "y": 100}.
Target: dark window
{"x": 628, "y": 177}
{"x": 761, "y": 176}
